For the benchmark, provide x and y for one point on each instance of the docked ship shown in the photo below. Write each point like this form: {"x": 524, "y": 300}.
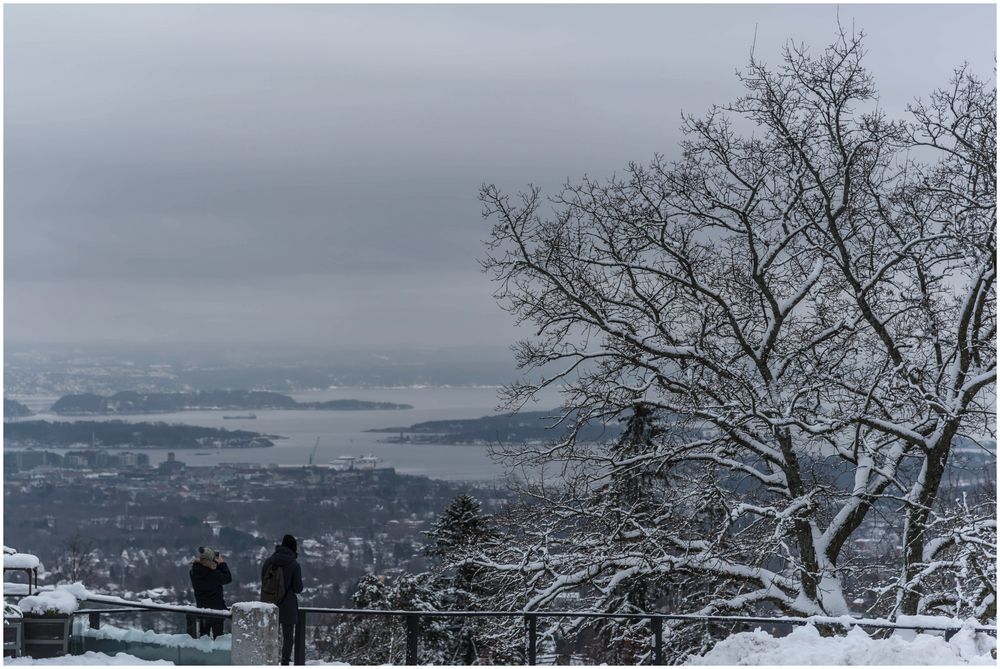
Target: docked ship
{"x": 348, "y": 462}
{"x": 249, "y": 416}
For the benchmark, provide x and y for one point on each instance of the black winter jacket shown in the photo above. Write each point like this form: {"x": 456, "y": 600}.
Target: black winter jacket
{"x": 288, "y": 607}
{"x": 207, "y": 584}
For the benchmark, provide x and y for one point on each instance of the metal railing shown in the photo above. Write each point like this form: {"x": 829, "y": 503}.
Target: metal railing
{"x": 117, "y": 605}
{"x": 412, "y": 622}
{"x": 193, "y": 620}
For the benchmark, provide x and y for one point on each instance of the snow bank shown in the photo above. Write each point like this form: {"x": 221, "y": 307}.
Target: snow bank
{"x": 805, "y": 646}
{"x": 20, "y": 561}
{"x": 130, "y": 635}
{"x": 60, "y": 599}
{"x": 88, "y": 658}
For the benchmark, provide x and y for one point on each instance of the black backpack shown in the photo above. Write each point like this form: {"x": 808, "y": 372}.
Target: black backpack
{"x": 272, "y": 586}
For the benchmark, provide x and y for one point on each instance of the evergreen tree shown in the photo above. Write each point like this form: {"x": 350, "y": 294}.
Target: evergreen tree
{"x": 461, "y": 529}
{"x": 460, "y": 526}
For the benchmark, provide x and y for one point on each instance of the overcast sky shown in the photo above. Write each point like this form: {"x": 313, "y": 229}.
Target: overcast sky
{"x": 308, "y": 174}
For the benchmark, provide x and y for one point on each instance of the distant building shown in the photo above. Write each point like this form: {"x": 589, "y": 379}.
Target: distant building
{"x": 134, "y": 460}
{"x": 30, "y": 459}
{"x": 100, "y": 459}
{"x": 172, "y": 465}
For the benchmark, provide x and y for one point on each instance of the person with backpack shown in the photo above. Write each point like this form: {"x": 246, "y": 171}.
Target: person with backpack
{"x": 280, "y": 583}
{"x": 209, "y": 572}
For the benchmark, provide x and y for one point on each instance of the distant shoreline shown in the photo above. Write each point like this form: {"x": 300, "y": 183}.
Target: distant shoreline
{"x": 132, "y": 403}
{"x": 116, "y": 434}
{"x": 520, "y": 427}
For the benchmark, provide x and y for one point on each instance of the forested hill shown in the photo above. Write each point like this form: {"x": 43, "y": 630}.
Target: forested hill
{"x": 14, "y": 409}
{"x": 118, "y": 434}
{"x": 523, "y": 426}
{"x": 130, "y": 402}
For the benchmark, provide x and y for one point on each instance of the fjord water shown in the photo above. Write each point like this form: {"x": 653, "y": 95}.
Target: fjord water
{"x": 340, "y": 432}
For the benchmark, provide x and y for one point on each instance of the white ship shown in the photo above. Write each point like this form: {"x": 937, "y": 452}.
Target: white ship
{"x": 349, "y": 462}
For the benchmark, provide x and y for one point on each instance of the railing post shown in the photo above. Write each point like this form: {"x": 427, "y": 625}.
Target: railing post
{"x": 95, "y": 620}
{"x": 300, "y": 638}
{"x": 532, "y": 621}
{"x": 657, "y": 624}
{"x": 412, "y": 632}
{"x": 256, "y": 634}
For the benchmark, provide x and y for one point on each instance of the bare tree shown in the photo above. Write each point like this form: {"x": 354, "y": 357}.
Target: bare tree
{"x": 78, "y": 562}
{"x": 808, "y": 307}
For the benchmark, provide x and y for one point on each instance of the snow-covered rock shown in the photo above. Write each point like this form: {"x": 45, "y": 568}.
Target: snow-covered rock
{"x": 805, "y": 646}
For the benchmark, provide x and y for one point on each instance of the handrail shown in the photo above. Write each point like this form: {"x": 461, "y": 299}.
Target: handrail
{"x": 205, "y": 613}
{"x": 154, "y": 606}
{"x": 12, "y": 589}
{"x": 847, "y": 621}
{"x": 412, "y": 620}
{"x": 194, "y": 615}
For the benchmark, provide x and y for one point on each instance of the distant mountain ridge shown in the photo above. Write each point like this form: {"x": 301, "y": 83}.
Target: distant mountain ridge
{"x": 132, "y": 402}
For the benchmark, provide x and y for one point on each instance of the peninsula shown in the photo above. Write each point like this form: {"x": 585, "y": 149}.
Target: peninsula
{"x": 119, "y": 434}
{"x": 516, "y": 427}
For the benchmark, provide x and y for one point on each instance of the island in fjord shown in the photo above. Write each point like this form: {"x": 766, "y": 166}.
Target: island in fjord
{"x": 131, "y": 402}
{"x": 119, "y": 434}
{"x": 14, "y": 409}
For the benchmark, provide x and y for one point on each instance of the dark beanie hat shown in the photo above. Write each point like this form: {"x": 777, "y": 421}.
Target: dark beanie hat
{"x": 288, "y": 541}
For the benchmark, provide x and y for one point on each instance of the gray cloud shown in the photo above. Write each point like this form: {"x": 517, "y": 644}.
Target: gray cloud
{"x": 309, "y": 173}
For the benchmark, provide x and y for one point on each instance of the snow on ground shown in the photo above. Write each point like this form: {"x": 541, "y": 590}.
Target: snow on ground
{"x": 805, "y": 646}
{"x": 131, "y": 635}
{"x": 88, "y": 658}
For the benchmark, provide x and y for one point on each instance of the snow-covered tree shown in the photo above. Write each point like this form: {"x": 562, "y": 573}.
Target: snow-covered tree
{"x": 806, "y": 302}
{"x": 460, "y": 525}
{"x": 453, "y": 585}
{"x": 958, "y": 571}
{"x": 463, "y": 530}
{"x": 382, "y": 639}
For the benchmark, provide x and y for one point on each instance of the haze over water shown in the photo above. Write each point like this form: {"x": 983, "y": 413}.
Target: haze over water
{"x": 340, "y": 432}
